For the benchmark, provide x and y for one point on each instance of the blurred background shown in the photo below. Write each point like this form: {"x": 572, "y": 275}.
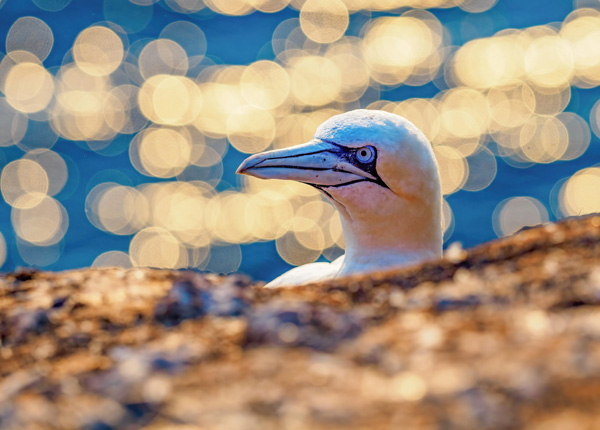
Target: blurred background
{"x": 123, "y": 121}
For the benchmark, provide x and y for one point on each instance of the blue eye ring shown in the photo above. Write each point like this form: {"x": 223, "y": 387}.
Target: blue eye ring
{"x": 366, "y": 154}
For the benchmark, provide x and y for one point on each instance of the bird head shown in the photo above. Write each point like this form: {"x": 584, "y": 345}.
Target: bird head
{"x": 380, "y": 172}
{"x": 365, "y": 161}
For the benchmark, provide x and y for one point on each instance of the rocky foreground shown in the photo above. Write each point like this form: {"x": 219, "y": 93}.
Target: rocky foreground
{"x": 504, "y": 336}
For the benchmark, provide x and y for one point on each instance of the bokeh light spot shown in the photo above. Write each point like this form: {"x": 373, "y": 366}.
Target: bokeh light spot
{"x": 266, "y": 213}
{"x": 98, "y": 51}
{"x": 24, "y": 183}
{"x": 230, "y": 7}
{"x": 515, "y": 213}
{"x": 52, "y": 5}
{"x": 265, "y": 84}
{"x": 549, "y": 62}
{"x": 250, "y": 129}
{"x": 475, "y": 6}
{"x": 32, "y": 35}
{"x": 163, "y": 56}
{"x": 54, "y": 166}
{"x": 121, "y": 210}
{"x": 324, "y": 21}
{"x": 112, "y": 259}
{"x": 13, "y": 124}
{"x": 579, "y": 135}
{"x": 595, "y": 118}
{"x": 156, "y": 247}
{"x": 144, "y": 2}
{"x": 315, "y": 80}
{"x": 482, "y": 170}
{"x": 544, "y": 139}
{"x": 187, "y": 35}
{"x": 397, "y": 47}
{"x": 453, "y": 168}
{"x": 447, "y": 220}
{"x": 308, "y": 233}
{"x": 186, "y": 6}
{"x": 42, "y": 224}
{"x": 161, "y": 152}
{"x": 170, "y": 100}
{"x": 269, "y": 6}
{"x": 580, "y": 195}
{"x": 293, "y": 252}
{"x": 28, "y": 87}
{"x": 224, "y": 259}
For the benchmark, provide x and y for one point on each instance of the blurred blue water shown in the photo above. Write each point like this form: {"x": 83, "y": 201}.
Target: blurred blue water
{"x": 238, "y": 40}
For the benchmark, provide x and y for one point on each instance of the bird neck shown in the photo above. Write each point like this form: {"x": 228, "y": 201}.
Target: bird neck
{"x": 391, "y": 236}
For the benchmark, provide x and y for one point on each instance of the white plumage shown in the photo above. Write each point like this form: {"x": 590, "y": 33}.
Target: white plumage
{"x": 379, "y": 171}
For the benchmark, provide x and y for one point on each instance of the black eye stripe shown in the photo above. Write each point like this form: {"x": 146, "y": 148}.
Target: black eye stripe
{"x": 350, "y": 155}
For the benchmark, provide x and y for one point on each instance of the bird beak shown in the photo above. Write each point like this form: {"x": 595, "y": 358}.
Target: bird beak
{"x": 317, "y": 163}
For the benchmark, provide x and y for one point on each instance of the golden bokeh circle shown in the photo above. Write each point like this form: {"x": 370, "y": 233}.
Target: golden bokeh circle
{"x": 266, "y": 213}
{"x": 32, "y": 35}
{"x": 324, "y": 21}
{"x": 579, "y": 195}
{"x": 98, "y": 51}
{"x": 453, "y": 168}
{"x": 156, "y": 247}
{"x": 42, "y": 224}
{"x": 186, "y": 6}
{"x": 315, "y": 81}
{"x": 28, "y": 87}
{"x": 293, "y": 252}
{"x": 230, "y": 7}
{"x": 112, "y": 259}
{"x": 265, "y": 84}
{"x": 181, "y": 209}
{"x": 447, "y": 219}
{"x": 396, "y": 47}
{"x": 579, "y": 135}
{"x": 161, "y": 152}
{"x": 482, "y": 170}
{"x": 54, "y": 166}
{"x": 225, "y": 217}
{"x": 475, "y": 6}
{"x": 514, "y": 213}
{"x": 121, "y": 210}
{"x": 308, "y": 233}
{"x": 170, "y": 100}
{"x": 549, "y": 62}
{"x": 269, "y": 6}
{"x": 250, "y": 129}
{"x": 24, "y": 183}
{"x": 543, "y": 139}
{"x": 163, "y": 57}
{"x": 187, "y": 35}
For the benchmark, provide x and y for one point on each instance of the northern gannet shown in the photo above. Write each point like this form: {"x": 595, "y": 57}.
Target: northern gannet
{"x": 379, "y": 171}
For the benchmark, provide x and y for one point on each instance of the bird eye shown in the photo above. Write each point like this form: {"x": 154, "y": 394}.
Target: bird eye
{"x": 366, "y": 154}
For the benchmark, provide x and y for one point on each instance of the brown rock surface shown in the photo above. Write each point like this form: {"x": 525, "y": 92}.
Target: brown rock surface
{"x": 504, "y": 336}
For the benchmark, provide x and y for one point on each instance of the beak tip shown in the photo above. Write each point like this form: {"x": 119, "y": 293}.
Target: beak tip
{"x": 244, "y": 167}
{"x": 248, "y": 165}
